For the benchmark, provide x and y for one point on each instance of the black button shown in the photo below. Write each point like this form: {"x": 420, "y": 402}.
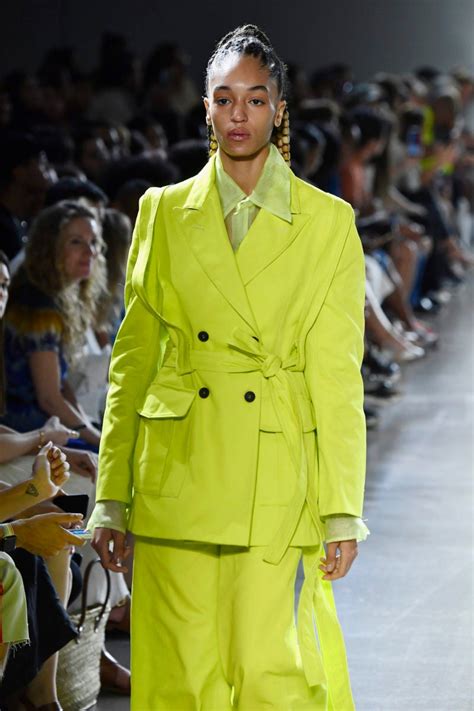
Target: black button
{"x": 249, "y": 396}
{"x": 204, "y": 392}
{"x": 203, "y": 336}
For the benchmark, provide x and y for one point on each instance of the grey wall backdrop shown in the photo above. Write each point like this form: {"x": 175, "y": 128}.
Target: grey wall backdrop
{"x": 370, "y": 35}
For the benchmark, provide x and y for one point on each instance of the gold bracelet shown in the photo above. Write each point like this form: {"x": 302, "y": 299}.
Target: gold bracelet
{"x": 41, "y": 438}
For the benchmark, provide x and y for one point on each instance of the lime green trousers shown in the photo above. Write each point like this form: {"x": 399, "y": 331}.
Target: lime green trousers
{"x": 213, "y": 629}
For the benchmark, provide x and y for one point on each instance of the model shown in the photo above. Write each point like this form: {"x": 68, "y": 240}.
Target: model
{"x": 234, "y": 434}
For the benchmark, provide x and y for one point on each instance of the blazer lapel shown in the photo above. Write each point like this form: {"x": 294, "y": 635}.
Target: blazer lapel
{"x": 203, "y": 226}
{"x": 268, "y": 237}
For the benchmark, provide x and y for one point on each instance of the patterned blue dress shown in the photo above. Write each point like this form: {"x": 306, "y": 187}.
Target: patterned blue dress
{"x": 33, "y": 323}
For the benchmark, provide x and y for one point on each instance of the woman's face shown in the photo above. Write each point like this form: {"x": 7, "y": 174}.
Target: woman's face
{"x": 4, "y": 284}
{"x": 80, "y": 248}
{"x": 243, "y": 105}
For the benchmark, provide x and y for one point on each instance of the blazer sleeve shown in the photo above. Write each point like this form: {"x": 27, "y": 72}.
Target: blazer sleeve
{"x": 134, "y": 358}
{"x": 334, "y": 351}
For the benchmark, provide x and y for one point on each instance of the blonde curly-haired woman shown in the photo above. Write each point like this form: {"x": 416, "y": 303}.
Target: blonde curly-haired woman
{"x": 53, "y": 297}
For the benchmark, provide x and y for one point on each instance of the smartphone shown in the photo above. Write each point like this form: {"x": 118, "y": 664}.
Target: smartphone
{"x": 82, "y": 533}
{"x": 413, "y": 142}
{"x": 76, "y": 503}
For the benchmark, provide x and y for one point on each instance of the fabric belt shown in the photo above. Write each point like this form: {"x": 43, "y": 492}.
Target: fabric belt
{"x": 324, "y": 664}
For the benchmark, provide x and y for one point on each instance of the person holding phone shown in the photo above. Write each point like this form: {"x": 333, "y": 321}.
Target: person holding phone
{"x": 39, "y": 546}
{"x": 234, "y": 435}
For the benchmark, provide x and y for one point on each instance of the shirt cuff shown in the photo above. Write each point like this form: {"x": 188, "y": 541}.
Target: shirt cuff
{"x": 109, "y": 514}
{"x": 345, "y": 528}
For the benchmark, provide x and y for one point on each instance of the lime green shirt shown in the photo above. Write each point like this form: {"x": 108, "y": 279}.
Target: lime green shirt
{"x": 272, "y": 193}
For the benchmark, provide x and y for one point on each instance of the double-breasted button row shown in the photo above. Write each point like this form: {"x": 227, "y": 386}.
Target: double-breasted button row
{"x": 249, "y": 395}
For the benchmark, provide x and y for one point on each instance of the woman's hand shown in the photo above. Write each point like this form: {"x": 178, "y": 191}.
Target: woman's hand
{"x": 58, "y": 433}
{"x": 82, "y": 462}
{"x": 111, "y": 559}
{"x": 47, "y": 534}
{"x": 50, "y": 472}
{"x": 338, "y": 565}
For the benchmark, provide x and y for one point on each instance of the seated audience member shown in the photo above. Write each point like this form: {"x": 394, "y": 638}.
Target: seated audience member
{"x": 91, "y": 155}
{"x": 83, "y": 191}
{"x": 152, "y": 132}
{"x": 116, "y": 137}
{"x": 138, "y": 145}
{"x": 53, "y": 301}
{"x": 118, "y": 81}
{"x": 26, "y": 100}
{"x": 16, "y": 462}
{"x": 307, "y": 149}
{"x": 24, "y": 178}
{"x": 170, "y": 93}
{"x": 149, "y": 166}
{"x": 189, "y": 157}
{"x": 59, "y": 148}
{"x": 326, "y": 177}
{"x": 166, "y": 72}
{"x": 117, "y": 235}
{"x": 365, "y": 135}
{"x": 128, "y": 197}
{"x": 18, "y": 444}
{"x": 195, "y": 127}
{"x": 41, "y": 554}
{"x": 366, "y": 138}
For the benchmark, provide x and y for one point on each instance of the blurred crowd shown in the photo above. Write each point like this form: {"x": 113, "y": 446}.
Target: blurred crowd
{"x": 77, "y": 151}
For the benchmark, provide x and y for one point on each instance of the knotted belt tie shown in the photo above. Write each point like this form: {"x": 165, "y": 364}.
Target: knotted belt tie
{"x": 325, "y": 664}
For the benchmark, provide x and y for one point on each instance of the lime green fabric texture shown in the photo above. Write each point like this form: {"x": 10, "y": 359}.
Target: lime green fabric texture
{"x": 13, "y": 611}
{"x": 247, "y": 653}
{"x": 273, "y": 194}
{"x": 197, "y": 468}
{"x": 235, "y": 410}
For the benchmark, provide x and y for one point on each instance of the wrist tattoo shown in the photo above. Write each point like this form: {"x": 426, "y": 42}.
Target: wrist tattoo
{"x": 31, "y": 490}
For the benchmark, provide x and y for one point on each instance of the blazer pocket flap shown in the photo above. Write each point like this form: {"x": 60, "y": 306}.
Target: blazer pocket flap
{"x": 163, "y": 401}
{"x": 269, "y": 421}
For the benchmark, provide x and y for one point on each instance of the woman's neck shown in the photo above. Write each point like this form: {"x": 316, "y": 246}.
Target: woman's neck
{"x": 247, "y": 170}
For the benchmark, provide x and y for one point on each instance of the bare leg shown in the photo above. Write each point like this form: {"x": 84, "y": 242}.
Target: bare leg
{"x": 377, "y": 323}
{"x": 405, "y": 256}
{"x": 401, "y": 308}
{"x": 384, "y": 334}
{"x": 381, "y": 331}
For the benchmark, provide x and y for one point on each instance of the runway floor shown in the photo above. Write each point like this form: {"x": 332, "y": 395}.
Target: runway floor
{"x": 406, "y": 607}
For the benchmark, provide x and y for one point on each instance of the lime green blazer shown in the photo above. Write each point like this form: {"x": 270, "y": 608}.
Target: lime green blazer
{"x": 235, "y": 408}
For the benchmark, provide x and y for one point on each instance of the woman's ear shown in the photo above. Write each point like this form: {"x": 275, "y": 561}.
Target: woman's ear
{"x": 206, "y": 106}
{"x": 279, "y": 113}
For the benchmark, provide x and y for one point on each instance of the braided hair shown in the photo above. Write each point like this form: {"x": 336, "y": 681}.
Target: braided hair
{"x": 249, "y": 40}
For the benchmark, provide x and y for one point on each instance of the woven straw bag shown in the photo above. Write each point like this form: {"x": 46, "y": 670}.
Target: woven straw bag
{"x": 78, "y": 675}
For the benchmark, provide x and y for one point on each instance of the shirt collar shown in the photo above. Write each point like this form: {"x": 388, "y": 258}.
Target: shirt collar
{"x": 272, "y": 191}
